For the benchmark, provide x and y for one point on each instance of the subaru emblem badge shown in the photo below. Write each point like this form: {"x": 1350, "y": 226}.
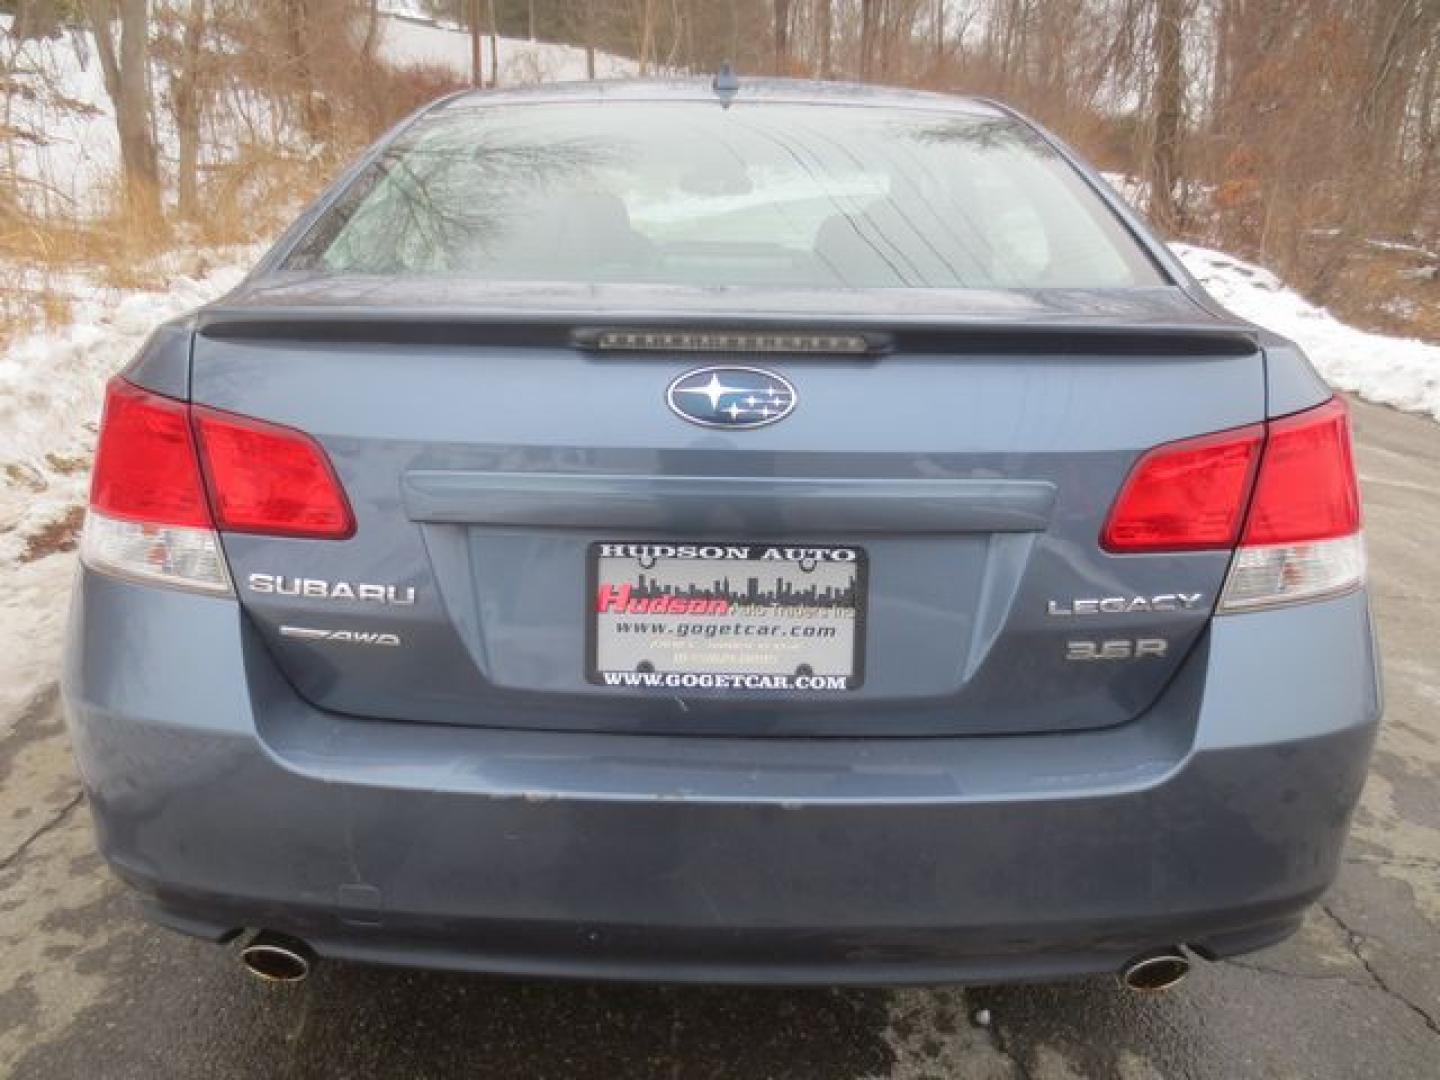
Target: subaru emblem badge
{"x": 731, "y": 397}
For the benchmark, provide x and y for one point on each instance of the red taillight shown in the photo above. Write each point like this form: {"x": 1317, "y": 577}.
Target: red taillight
{"x": 1193, "y": 495}
{"x": 1306, "y": 489}
{"x": 145, "y": 465}
{"x": 1186, "y": 496}
{"x": 151, "y": 502}
{"x": 261, "y": 478}
{"x": 264, "y": 478}
{"x": 1301, "y": 538}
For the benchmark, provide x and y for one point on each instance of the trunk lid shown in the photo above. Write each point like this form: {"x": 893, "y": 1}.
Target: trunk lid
{"x": 971, "y": 455}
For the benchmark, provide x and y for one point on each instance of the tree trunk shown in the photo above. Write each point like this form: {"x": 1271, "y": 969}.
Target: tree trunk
{"x": 99, "y": 14}
{"x": 372, "y": 35}
{"x": 647, "y": 37}
{"x": 823, "y": 31}
{"x": 301, "y": 37}
{"x": 782, "y": 35}
{"x": 1169, "y": 104}
{"x": 939, "y": 19}
{"x": 588, "y": 34}
{"x": 133, "y": 110}
{"x": 867, "y": 37}
{"x": 895, "y": 18}
{"x": 677, "y": 36}
{"x": 1428, "y": 125}
{"x": 476, "y": 77}
{"x": 1221, "y": 77}
{"x": 691, "y": 56}
{"x": 189, "y": 107}
{"x": 1014, "y": 37}
{"x": 127, "y": 81}
{"x": 494, "y": 47}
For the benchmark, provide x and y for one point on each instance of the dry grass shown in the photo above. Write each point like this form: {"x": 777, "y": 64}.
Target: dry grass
{"x": 43, "y": 260}
{"x": 27, "y": 308}
{"x": 1390, "y": 293}
{"x": 257, "y": 194}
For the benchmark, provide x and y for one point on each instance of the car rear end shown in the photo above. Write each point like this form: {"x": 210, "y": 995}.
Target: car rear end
{"x": 747, "y": 555}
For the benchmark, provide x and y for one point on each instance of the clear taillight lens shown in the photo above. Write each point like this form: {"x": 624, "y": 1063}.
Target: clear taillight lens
{"x": 1276, "y": 574}
{"x": 162, "y": 554}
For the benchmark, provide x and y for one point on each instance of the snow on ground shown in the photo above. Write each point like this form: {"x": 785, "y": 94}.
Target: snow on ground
{"x": 1392, "y": 371}
{"x": 408, "y": 40}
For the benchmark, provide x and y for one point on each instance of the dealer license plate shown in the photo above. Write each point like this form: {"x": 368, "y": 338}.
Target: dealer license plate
{"x": 769, "y": 618}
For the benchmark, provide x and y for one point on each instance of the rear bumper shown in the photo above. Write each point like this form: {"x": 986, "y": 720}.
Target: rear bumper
{"x": 228, "y": 802}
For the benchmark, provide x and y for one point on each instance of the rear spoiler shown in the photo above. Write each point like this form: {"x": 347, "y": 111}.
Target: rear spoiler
{"x": 626, "y": 333}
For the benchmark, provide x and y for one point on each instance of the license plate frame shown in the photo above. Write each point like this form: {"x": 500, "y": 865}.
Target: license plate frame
{"x": 703, "y": 667}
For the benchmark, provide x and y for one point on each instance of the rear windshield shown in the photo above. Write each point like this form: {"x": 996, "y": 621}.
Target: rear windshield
{"x": 807, "y": 196}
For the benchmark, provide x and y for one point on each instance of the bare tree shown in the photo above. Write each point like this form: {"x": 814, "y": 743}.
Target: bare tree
{"x": 476, "y": 78}
{"x": 646, "y": 18}
{"x": 588, "y": 33}
{"x": 1169, "y": 105}
{"x": 494, "y": 46}
{"x": 938, "y": 29}
{"x": 187, "y": 92}
{"x": 869, "y": 22}
{"x": 782, "y": 36}
{"x": 124, "y": 65}
{"x": 824, "y": 17}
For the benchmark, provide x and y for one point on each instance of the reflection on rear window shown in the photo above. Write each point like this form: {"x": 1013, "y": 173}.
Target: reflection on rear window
{"x": 760, "y": 194}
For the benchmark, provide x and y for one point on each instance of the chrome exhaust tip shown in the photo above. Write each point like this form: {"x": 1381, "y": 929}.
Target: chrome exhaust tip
{"x": 276, "y": 958}
{"x": 1157, "y": 970}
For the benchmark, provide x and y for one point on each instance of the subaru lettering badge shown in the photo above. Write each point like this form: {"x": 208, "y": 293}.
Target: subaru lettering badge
{"x": 731, "y": 397}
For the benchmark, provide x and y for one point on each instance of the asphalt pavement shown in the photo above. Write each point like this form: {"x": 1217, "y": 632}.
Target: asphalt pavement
{"x": 88, "y": 990}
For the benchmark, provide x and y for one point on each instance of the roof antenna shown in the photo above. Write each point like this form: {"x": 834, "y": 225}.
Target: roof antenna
{"x": 726, "y": 84}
